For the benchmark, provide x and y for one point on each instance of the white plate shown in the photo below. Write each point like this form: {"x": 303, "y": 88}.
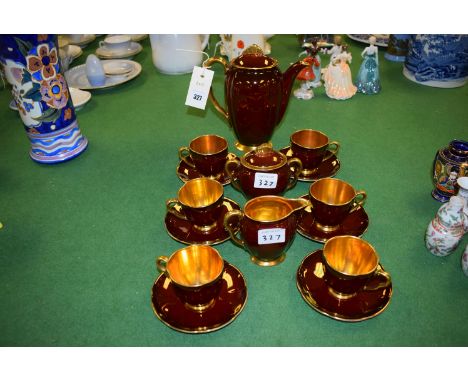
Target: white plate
{"x": 79, "y": 97}
{"x": 73, "y": 50}
{"x": 382, "y": 39}
{"x": 76, "y": 77}
{"x": 135, "y": 37}
{"x": 104, "y": 52}
{"x": 85, "y": 40}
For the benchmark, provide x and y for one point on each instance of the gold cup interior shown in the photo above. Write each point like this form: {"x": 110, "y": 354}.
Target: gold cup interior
{"x": 309, "y": 139}
{"x": 350, "y": 255}
{"x": 208, "y": 144}
{"x": 332, "y": 191}
{"x": 267, "y": 209}
{"x": 195, "y": 266}
{"x": 200, "y": 192}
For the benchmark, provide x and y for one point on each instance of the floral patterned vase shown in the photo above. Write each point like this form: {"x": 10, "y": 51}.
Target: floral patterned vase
{"x": 464, "y": 261}
{"x": 439, "y": 60}
{"x": 449, "y": 163}
{"x": 31, "y": 66}
{"x": 462, "y": 183}
{"x": 446, "y": 230}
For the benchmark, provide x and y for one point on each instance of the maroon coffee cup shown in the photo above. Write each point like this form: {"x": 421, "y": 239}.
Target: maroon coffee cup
{"x": 207, "y": 154}
{"x": 312, "y": 147}
{"x": 332, "y": 200}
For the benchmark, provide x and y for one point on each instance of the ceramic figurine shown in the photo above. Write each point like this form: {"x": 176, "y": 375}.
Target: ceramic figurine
{"x": 368, "y": 78}
{"x": 463, "y": 193}
{"x": 450, "y": 162}
{"x": 336, "y": 49}
{"x": 309, "y": 76}
{"x": 337, "y": 77}
{"x": 446, "y": 229}
{"x": 397, "y": 48}
{"x": 464, "y": 261}
{"x": 31, "y": 66}
{"x": 439, "y": 60}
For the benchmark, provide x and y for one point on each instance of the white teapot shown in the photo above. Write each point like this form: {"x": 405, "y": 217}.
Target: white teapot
{"x": 177, "y": 53}
{"x": 232, "y": 45}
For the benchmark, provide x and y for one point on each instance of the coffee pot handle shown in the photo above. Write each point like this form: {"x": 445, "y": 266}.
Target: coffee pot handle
{"x": 359, "y": 200}
{"x": 184, "y": 152}
{"x": 228, "y": 167}
{"x": 216, "y": 104}
{"x": 387, "y": 280}
{"x": 332, "y": 151}
{"x": 295, "y": 164}
{"x": 161, "y": 263}
{"x": 232, "y": 228}
{"x": 170, "y": 208}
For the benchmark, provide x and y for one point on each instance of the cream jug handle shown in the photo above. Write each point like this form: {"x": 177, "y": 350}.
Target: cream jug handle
{"x": 216, "y": 104}
{"x": 232, "y": 228}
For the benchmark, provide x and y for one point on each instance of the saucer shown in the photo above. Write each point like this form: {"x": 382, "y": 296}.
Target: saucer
{"x": 355, "y": 224}
{"x": 76, "y": 77}
{"x": 227, "y": 306}
{"x": 186, "y": 173}
{"x": 313, "y": 289}
{"x": 327, "y": 169}
{"x": 381, "y": 39}
{"x": 104, "y": 52}
{"x": 72, "y": 50}
{"x": 183, "y": 231}
{"x": 85, "y": 40}
{"x": 134, "y": 37}
{"x": 79, "y": 97}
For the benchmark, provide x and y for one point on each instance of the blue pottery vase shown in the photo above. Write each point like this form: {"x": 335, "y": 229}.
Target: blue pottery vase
{"x": 31, "y": 66}
{"x": 450, "y": 163}
{"x": 439, "y": 60}
{"x": 397, "y": 48}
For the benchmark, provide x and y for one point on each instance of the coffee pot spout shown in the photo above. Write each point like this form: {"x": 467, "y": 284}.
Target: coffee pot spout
{"x": 288, "y": 80}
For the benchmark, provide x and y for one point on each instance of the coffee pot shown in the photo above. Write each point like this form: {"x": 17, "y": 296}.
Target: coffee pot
{"x": 256, "y": 95}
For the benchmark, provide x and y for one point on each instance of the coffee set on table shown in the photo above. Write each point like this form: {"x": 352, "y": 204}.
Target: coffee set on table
{"x": 199, "y": 292}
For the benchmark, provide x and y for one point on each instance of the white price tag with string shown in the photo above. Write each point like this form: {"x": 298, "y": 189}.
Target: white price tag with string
{"x": 199, "y": 88}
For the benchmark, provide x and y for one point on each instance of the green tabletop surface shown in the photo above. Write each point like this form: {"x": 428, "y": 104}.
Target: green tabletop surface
{"x": 80, "y": 239}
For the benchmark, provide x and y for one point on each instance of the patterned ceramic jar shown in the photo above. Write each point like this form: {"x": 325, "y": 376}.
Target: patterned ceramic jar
{"x": 450, "y": 163}
{"x": 31, "y": 65}
{"x": 439, "y": 60}
{"x": 397, "y": 47}
{"x": 446, "y": 230}
{"x": 464, "y": 261}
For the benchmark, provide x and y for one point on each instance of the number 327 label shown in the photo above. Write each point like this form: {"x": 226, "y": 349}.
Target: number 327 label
{"x": 271, "y": 236}
{"x": 265, "y": 180}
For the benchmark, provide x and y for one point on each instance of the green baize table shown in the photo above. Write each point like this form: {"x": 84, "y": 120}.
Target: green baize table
{"x": 80, "y": 239}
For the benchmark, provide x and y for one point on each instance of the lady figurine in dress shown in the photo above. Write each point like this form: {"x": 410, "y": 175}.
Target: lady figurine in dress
{"x": 338, "y": 81}
{"x": 368, "y": 78}
{"x": 308, "y": 76}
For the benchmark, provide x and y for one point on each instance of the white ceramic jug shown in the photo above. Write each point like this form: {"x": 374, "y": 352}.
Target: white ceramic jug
{"x": 177, "y": 53}
{"x": 232, "y": 45}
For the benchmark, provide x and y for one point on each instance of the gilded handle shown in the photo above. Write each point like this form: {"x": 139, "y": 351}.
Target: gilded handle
{"x": 232, "y": 228}
{"x": 359, "y": 200}
{"x": 216, "y": 104}
{"x": 295, "y": 164}
{"x": 229, "y": 168}
{"x": 161, "y": 263}
{"x": 184, "y": 153}
{"x": 333, "y": 148}
{"x": 382, "y": 284}
{"x": 170, "y": 208}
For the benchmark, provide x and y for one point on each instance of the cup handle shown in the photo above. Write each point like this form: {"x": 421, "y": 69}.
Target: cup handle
{"x": 382, "y": 284}
{"x": 184, "y": 152}
{"x": 230, "y": 171}
{"x": 216, "y": 104}
{"x": 170, "y": 204}
{"x": 231, "y": 228}
{"x": 161, "y": 263}
{"x": 295, "y": 165}
{"x": 359, "y": 200}
{"x": 332, "y": 151}
{"x": 101, "y": 43}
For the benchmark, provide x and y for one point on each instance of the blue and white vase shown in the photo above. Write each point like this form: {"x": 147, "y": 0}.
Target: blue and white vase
{"x": 439, "y": 60}
{"x": 31, "y": 66}
{"x": 397, "y": 48}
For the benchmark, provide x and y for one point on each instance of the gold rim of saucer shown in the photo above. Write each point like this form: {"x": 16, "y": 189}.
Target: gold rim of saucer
{"x": 118, "y": 56}
{"x": 336, "y": 316}
{"x": 201, "y": 331}
{"x": 207, "y": 242}
{"x": 271, "y": 263}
